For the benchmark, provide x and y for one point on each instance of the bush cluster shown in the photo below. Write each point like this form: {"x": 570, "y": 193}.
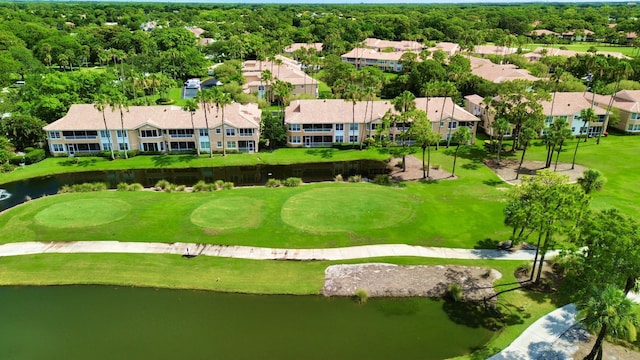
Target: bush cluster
{"x": 84, "y": 187}
{"x": 382, "y": 179}
{"x": 202, "y": 186}
{"x": 164, "y": 185}
{"x": 130, "y": 187}
{"x": 355, "y": 178}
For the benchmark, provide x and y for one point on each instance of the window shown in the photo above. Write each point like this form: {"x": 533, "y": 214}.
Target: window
{"x": 149, "y": 147}
{"x": 635, "y": 116}
{"x": 548, "y": 120}
{"x": 245, "y": 132}
{"x": 87, "y": 147}
{"x": 219, "y": 144}
{"x": 181, "y": 133}
{"x": 54, "y": 134}
{"x": 106, "y": 146}
{"x": 231, "y": 132}
{"x": 123, "y": 146}
{"x": 295, "y": 140}
{"x": 79, "y": 134}
{"x": 573, "y": 129}
{"x": 122, "y": 133}
{"x": 317, "y": 127}
{"x": 182, "y": 145}
{"x": 104, "y": 134}
{"x": 339, "y": 139}
{"x": 353, "y": 138}
{"x": 339, "y": 127}
{"x": 148, "y": 133}
{"x": 218, "y": 131}
{"x": 203, "y": 132}
{"x": 231, "y": 144}
{"x": 354, "y": 127}
{"x": 204, "y": 145}
{"x": 57, "y": 147}
{"x": 453, "y": 125}
{"x": 294, "y": 127}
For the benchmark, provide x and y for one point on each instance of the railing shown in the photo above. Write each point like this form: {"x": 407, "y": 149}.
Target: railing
{"x": 181, "y": 135}
{"x": 246, "y": 135}
{"x": 317, "y": 130}
{"x": 318, "y": 144}
{"x": 81, "y": 137}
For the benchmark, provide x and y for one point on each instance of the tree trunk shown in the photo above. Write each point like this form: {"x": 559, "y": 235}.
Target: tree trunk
{"x": 524, "y": 151}
{"x": 555, "y": 167}
{"x": 424, "y": 174}
{"x": 455, "y": 159}
{"x": 224, "y": 145}
{"x": 547, "y": 239}
{"x": 597, "y": 346}
{"x": 535, "y": 257}
{"x": 629, "y": 285}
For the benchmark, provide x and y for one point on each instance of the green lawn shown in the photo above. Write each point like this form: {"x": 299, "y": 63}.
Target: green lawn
{"x": 584, "y": 46}
{"x": 51, "y": 166}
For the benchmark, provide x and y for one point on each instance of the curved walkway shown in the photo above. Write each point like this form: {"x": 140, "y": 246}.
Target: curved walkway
{"x": 541, "y": 340}
{"x": 260, "y": 253}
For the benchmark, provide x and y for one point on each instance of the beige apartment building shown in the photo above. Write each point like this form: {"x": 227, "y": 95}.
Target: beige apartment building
{"x": 283, "y": 69}
{"x": 163, "y": 129}
{"x": 321, "y": 123}
{"x": 566, "y": 105}
{"x": 626, "y": 103}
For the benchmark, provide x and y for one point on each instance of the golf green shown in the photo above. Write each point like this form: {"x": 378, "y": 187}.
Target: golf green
{"x": 83, "y": 213}
{"x": 229, "y": 213}
{"x": 337, "y": 210}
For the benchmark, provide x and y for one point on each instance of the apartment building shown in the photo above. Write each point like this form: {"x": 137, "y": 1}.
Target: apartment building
{"x": 321, "y": 123}
{"x": 626, "y": 104}
{"x": 283, "y": 69}
{"x": 162, "y": 129}
{"x": 566, "y": 105}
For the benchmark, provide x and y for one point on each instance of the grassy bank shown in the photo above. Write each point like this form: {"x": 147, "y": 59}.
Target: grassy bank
{"x": 52, "y": 166}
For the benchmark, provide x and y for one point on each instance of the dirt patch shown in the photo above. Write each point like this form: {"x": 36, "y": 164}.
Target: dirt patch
{"x": 507, "y": 169}
{"x": 609, "y": 351}
{"x": 414, "y": 170}
{"x": 389, "y": 280}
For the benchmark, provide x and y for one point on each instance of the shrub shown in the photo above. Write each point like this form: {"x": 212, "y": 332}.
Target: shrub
{"x": 6, "y": 167}
{"x": 136, "y": 187}
{"x": 592, "y": 180}
{"x": 218, "y": 184}
{"x": 338, "y": 178}
{"x": 355, "y": 178}
{"x": 16, "y": 160}
{"x": 65, "y": 189}
{"x": 227, "y": 185}
{"x": 273, "y": 183}
{"x": 84, "y": 187}
{"x": 292, "y": 182}
{"x": 435, "y": 166}
{"x": 162, "y": 185}
{"x": 200, "y": 186}
{"x": 122, "y": 187}
{"x": 525, "y": 269}
{"x": 455, "y": 292}
{"x": 382, "y": 179}
{"x": 180, "y": 188}
{"x": 399, "y": 164}
{"x": 362, "y": 295}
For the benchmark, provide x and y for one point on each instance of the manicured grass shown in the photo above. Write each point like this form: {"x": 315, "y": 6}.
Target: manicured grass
{"x": 281, "y": 217}
{"x": 584, "y": 46}
{"x": 82, "y": 213}
{"x": 51, "y": 166}
{"x": 175, "y": 94}
{"x": 229, "y": 213}
{"x": 368, "y": 208}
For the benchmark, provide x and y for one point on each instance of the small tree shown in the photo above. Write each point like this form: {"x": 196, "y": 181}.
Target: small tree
{"x": 191, "y": 106}
{"x": 462, "y": 136}
{"x": 591, "y": 180}
{"x": 500, "y": 126}
{"x": 424, "y": 136}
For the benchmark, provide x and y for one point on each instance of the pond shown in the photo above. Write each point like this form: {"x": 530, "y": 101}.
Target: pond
{"x": 106, "y": 322}
{"x": 239, "y": 175}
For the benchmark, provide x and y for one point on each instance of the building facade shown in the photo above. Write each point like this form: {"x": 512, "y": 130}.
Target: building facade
{"x": 322, "y": 123}
{"x": 154, "y": 129}
{"x": 626, "y": 104}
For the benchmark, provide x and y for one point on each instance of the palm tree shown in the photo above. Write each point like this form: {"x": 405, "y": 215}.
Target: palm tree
{"x": 191, "y": 105}
{"x": 560, "y": 134}
{"x": 267, "y": 77}
{"x": 608, "y": 312}
{"x": 121, "y": 103}
{"x": 622, "y": 70}
{"x": 424, "y": 136}
{"x": 500, "y": 126}
{"x": 222, "y": 99}
{"x": 404, "y": 103}
{"x": 101, "y": 103}
{"x": 461, "y": 136}
{"x": 587, "y": 115}
{"x": 446, "y": 89}
{"x": 282, "y": 90}
{"x": 526, "y": 135}
{"x": 205, "y": 98}
{"x": 352, "y": 93}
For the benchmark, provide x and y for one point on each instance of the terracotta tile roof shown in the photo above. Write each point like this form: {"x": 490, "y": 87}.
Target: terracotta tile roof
{"x": 403, "y": 45}
{"x": 564, "y": 103}
{"x": 196, "y": 31}
{"x": 288, "y": 71}
{"x": 341, "y": 111}
{"x": 541, "y": 32}
{"x": 297, "y": 46}
{"x": 627, "y": 100}
{"x": 448, "y": 47}
{"x": 498, "y": 73}
{"x": 493, "y": 50}
{"x": 86, "y": 117}
{"x": 361, "y": 53}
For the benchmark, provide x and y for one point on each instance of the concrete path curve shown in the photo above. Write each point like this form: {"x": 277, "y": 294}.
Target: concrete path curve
{"x": 260, "y": 253}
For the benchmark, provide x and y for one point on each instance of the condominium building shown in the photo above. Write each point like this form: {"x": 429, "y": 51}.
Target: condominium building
{"x": 321, "y": 123}
{"x": 626, "y": 104}
{"x": 161, "y": 129}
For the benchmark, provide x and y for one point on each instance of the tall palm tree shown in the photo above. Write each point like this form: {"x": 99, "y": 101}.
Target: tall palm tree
{"x": 205, "y": 98}
{"x": 608, "y": 312}
{"x": 526, "y": 136}
{"x": 462, "y": 136}
{"x": 101, "y": 103}
{"x": 622, "y": 70}
{"x": 191, "y": 105}
{"x": 500, "y": 125}
{"x": 352, "y": 93}
{"x": 119, "y": 102}
{"x": 587, "y": 115}
{"x": 222, "y": 99}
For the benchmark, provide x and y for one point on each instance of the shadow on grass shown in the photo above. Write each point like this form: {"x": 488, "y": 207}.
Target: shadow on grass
{"x": 493, "y": 182}
{"x": 487, "y": 243}
{"x": 325, "y": 153}
{"x": 78, "y": 163}
{"x": 472, "y": 314}
{"x": 168, "y": 160}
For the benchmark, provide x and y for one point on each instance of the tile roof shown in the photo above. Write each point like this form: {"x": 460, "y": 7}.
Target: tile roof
{"x": 341, "y": 111}
{"x": 288, "y": 71}
{"x": 497, "y": 73}
{"x": 361, "y": 53}
{"x": 564, "y": 103}
{"x": 297, "y": 46}
{"x": 87, "y": 117}
{"x": 493, "y": 50}
{"x": 627, "y": 100}
{"x": 403, "y": 45}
